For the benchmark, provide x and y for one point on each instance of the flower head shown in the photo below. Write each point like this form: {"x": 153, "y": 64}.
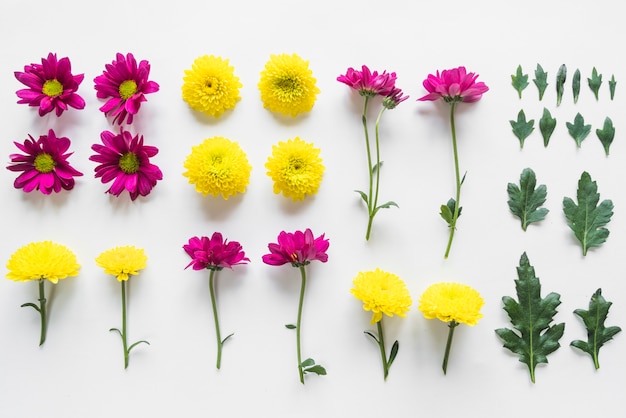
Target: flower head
{"x": 296, "y": 168}
{"x": 42, "y": 260}
{"x": 394, "y": 98}
{"x": 124, "y": 84}
{"x": 211, "y": 86}
{"x": 125, "y": 160}
{"x": 287, "y": 85}
{"x": 454, "y": 85}
{"x": 298, "y": 248}
{"x": 218, "y": 166}
{"x": 214, "y": 253}
{"x": 122, "y": 262}
{"x": 452, "y": 302}
{"x": 382, "y": 293}
{"x": 369, "y": 83}
{"x": 51, "y": 85}
{"x": 44, "y": 164}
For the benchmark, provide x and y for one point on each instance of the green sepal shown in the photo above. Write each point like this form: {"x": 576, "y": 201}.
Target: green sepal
{"x": 32, "y": 305}
{"x": 606, "y": 134}
{"x": 597, "y": 333}
{"x": 595, "y": 82}
{"x": 521, "y": 128}
{"x": 363, "y": 196}
{"x": 393, "y": 353}
{"x": 519, "y": 81}
{"x": 578, "y": 130}
{"x": 290, "y": 326}
{"x": 587, "y": 219}
{"x": 546, "y": 125}
{"x": 541, "y": 80}
{"x": 576, "y": 85}
{"x": 525, "y": 200}
{"x": 561, "y": 76}
{"x": 612, "y": 84}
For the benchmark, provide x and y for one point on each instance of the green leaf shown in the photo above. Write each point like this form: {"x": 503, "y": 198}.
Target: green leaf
{"x": 387, "y": 205}
{"x": 531, "y": 316}
{"x": 612, "y": 84}
{"x": 521, "y": 128}
{"x": 576, "y": 85}
{"x": 519, "y": 81}
{"x": 307, "y": 363}
{"x": 376, "y": 167}
{"x": 290, "y": 326}
{"x": 393, "y": 353}
{"x": 587, "y": 219}
{"x": 595, "y": 82}
{"x": 447, "y": 211}
{"x": 546, "y": 125}
{"x": 227, "y": 337}
{"x": 525, "y": 200}
{"x": 372, "y": 335}
{"x": 363, "y": 196}
{"x": 606, "y": 134}
{"x": 32, "y": 305}
{"x": 597, "y": 333}
{"x": 561, "y": 76}
{"x": 578, "y": 130}
{"x": 541, "y": 80}
{"x": 137, "y": 343}
{"x": 317, "y": 369}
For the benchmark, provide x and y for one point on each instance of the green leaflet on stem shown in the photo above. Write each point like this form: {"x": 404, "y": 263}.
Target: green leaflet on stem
{"x": 42, "y": 309}
{"x": 380, "y": 340}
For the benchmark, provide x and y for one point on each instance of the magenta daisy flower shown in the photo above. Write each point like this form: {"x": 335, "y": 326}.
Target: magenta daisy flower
{"x": 369, "y": 83}
{"x": 44, "y": 164}
{"x": 125, "y": 160}
{"x": 454, "y": 85}
{"x": 51, "y": 85}
{"x": 298, "y": 248}
{"x": 124, "y": 84}
{"x": 214, "y": 253}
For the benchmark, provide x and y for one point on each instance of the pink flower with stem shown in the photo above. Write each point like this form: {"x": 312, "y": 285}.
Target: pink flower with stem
{"x": 51, "y": 85}
{"x": 299, "y": 249}
{"x": 214, "y": 254}
{"x": 370, "y": 84}
{"x": 125, "y": 160}
{"x": 44, "y": 164}
{"x": 124, "y": 84}
{"x": 453, "y": 86}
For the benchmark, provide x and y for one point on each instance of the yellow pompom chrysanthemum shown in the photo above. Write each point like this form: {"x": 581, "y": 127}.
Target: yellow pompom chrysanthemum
{"x": 211, "y": 86}
{"x": 287, "y": 85}
{"x": 296, "y": 168}
{"x": 449, "y": 301}
{"x": 218, "y": 166}
{"x": 382, "y": 293}
{"x": 122, "y": 262}
{"x": 42, "y": 260}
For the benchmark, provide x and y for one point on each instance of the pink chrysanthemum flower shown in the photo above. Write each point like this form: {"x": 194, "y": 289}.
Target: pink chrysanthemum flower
{"x": 298, "y": 248}
{"x": 214, "y": 253}
{"x": 454, "y": 85}
{"x": 51, "y": 85}
{"x": 369, "y": 83}
{"x": 125, "y": 160}
{"x": 44, "y": 164}
{"x": 394, "y": 98}
{"x": 124, "y": 84}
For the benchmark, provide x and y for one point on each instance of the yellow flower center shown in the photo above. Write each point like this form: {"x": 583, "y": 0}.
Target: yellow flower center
{"x": 44, "y": 163}
{"x": 52, "y": 88}
{"x": 211, "y": 85}
{"x": 288, "y": 88}
{"x": 127, "y": 89}
{"x": 129, "y": 163}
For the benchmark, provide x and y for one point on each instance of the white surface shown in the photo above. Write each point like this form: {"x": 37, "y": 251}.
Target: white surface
{"x": 79, "y": 371}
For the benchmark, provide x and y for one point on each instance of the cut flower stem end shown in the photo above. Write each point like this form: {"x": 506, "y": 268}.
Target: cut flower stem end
{"x": 42, "y": 309}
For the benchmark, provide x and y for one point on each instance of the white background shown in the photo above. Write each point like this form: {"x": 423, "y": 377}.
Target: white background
{"x": 79, "y": 371}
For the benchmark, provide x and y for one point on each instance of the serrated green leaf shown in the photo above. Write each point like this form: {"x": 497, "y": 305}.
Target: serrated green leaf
{"x": 561, "y": 76}
{"x": 606, "y": 134}
{"x": 541, "y": 80}
{"x": 578, "y": 130}
{"x": 363, "y": 196}
{"x": 587, "y": 219}
{"x": 519, "y": 81}
{"x": 595, "y": 82}
{"x": 317, "y": 369}
{"x": 597, "y": 333}
{"x": 612, "y": 84}
{"x": 531, "y": 316}
{"x": 447, "y": 211}
{"x": 521, "y": 128}
{"x": 576, "y": 85}
{"x": 525, "y": 200}
{"x": 546, "y": 125}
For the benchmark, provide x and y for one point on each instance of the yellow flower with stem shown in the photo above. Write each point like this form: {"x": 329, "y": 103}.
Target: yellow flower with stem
{"x": 296, "y": 168}
{"x": 218, "y": 166}
{"x": 123, "y": 262}
{"x": 382, "y": 293}
{"x": 211, "y": 86}
{"x": 453, "y": 303}
{"x": 42, "y": 261}
{"x": 287, "y": 85}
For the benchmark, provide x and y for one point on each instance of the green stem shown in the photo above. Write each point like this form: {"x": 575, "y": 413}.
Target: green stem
{"x": 381, "y": 345}
{"x": 123, "y": 333}
{"x": 457, "y": 204}
{"x": 299, "y": 321}
{"x": 451, "y": 326}
{"x": 370, "y": 207}
{"x": 42, "y": 311}
{"x": 215, "y": 318}
{"x": 374, "y": 204}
